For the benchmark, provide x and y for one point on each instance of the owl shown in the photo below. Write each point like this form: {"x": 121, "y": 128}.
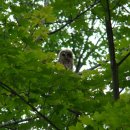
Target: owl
{"x": 66, "y": 58}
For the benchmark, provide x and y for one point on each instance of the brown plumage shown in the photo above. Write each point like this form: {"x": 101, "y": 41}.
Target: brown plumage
{"x": 66, "y": 58}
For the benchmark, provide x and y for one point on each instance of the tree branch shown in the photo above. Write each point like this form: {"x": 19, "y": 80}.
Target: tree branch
{"x": 89, "y": 53}
{"x": 9, "y": 123}
{"x": 123, "y": 59}
{"x": 6, "y": 87}
{"x": 126, "y": 10}
{"x": 96, "y": 66}
{"x": 75, "y": 18}
{"x": 76, "y": 113}
{"x": 79, "y": 65}
{"x": 121, "y": 90}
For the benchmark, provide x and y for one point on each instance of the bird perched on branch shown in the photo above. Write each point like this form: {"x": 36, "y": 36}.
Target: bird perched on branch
{"x": 65, "y": 57}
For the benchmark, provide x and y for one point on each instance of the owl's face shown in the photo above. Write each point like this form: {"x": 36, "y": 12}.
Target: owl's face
{"x": 66, "y": 58}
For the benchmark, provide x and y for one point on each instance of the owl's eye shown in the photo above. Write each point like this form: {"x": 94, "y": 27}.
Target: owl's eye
{"x": 63, "y": 54}
{"x": 69, "y": 55}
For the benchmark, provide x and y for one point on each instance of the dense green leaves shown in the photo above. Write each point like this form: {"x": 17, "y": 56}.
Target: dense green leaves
{"x": 36, "y": 92}
{"x": 112, "y": 117}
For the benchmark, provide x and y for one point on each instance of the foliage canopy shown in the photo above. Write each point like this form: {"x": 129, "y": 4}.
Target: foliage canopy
{"x": 39, "y": 93}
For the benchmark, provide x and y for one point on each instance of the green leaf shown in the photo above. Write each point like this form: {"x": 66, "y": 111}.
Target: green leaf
{"x": 77, "y": 127}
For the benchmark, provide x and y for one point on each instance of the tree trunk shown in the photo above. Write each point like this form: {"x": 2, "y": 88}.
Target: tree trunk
{"x": 114, "y": 66}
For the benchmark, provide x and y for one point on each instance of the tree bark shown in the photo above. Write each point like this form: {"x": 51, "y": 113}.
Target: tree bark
{"x": 114, "y": 66}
